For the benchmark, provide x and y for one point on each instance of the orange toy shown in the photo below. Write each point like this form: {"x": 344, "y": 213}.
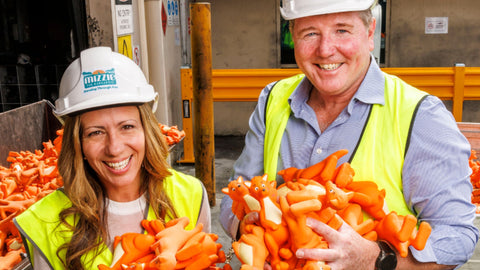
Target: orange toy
{"x": 320, "y": 172}
{"x": 251, "y": 249}
{"x": 57, "y": 142}
{"x": 329, "y": 171}
{"x": 172, "y": 134}
{"x": 367, "y": 195}
{"x": 295, "y": 216}
{"x": 353, "y": 215}
{"x": 170, "y": 240}
{"x": 243, "y": 203}
{"x": 325, "y": 215}
{"x": 7, "y": 187}
{"x": 11, "y": 259}
{"x": 336, "y": 197}
{"x": 46, "y": 173}
{"x": 264, "y": 192}
{"x": 308, "y": 184}
{"x": 10, "y": 206}
{"x": 199, "y": 252}
{"x": 128, "y": 249}
{"x": 475, "y": 179}
{"x": 329, "y": 194}
{"x": 167, "y": 247}
{"x": 29, "y": 177}
{"x": 401, "y": 232}
{"x": 344, "y": 175}
{"x": 152, "y": 226}
{"x": 276, "y": 232}
{"x": 301, "y": 183}
{"x": 302, "y": 193}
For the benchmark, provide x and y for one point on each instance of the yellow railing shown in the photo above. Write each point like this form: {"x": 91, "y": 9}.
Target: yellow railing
{"x": 456, "y": 83}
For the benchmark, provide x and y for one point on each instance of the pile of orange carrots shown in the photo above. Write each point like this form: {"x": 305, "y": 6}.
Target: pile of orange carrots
{"x": 30, "y": 177}
{"x": 172, "y": 134}
{"x": 475, "y": 179}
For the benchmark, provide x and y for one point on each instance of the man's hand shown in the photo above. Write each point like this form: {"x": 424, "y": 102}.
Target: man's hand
{"x": 347, "y": 249}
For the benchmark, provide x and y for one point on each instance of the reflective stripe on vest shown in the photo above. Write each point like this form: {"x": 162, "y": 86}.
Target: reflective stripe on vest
{"x": 381, "y": 150}
{"x": 277, "y": 113}
{"x": 40, "y": 227}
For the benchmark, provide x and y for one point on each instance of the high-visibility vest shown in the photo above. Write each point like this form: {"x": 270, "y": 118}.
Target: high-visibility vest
{"x": 380, "y": 154}
{"x": 41, "y": 228}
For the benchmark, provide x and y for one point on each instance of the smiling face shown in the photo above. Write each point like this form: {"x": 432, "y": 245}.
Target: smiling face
{"x": 113, "y": 143}
{"x": 333, "y": 51}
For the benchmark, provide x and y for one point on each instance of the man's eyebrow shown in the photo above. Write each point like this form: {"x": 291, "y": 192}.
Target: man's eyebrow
{"x": 309, "y": 28}
{"x": 341, "y": 24}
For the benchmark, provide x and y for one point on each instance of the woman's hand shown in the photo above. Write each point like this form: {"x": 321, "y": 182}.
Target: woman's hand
{"x": 347, "y": 249}
{"x": 250, "y": 218}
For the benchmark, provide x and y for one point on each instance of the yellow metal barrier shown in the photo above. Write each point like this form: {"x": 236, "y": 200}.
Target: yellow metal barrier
{"x": 456, "y": 83}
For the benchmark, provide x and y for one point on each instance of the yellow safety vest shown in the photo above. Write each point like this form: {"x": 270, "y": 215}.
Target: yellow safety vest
{"x": 41, "y": 228}
{"x": 276, "y": 118}
{"x": 380, "y": 153}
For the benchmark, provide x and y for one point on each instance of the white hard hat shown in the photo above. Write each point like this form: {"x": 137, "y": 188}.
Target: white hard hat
{"x": 293, "y": 9}
{"x": 101, "y": 77}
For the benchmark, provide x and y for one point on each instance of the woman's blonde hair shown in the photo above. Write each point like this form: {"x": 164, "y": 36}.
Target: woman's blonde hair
{"x": 88, "y": 196}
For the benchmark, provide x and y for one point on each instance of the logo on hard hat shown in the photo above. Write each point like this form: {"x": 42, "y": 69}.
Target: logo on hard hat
{"x": 99, "y": 80}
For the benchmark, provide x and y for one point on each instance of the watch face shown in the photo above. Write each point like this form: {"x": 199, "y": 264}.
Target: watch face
{"x": 387, "y": 259}
{"x": 389, "y": 262}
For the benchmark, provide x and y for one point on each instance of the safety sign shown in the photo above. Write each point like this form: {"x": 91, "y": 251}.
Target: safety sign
{"x": 173, "y": 17}
{"x": 124, "y": 19}
{"x": 436, "y": 25}
{"x": 125, "y": 45}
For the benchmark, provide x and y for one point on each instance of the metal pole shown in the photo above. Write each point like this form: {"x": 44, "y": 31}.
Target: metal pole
{"x": 202, "y": 96}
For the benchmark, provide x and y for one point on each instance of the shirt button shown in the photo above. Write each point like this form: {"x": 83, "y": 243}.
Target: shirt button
{"x": 319, "y": 150}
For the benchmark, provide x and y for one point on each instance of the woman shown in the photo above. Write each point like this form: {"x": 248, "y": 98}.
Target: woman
{"x": 113, "y": 163}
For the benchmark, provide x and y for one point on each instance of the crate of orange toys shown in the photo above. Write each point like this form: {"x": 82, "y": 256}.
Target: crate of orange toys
{"x": 472, "y": 133}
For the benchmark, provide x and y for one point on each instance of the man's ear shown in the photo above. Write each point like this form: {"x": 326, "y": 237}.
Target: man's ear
{"x": 371, "y": 34}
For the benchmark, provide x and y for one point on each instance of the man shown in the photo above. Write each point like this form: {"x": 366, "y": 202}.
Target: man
{"x": 345, "y": 101}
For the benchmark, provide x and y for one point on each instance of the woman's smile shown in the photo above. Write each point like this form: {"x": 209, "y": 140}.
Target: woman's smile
{"x": 118, "y": 166}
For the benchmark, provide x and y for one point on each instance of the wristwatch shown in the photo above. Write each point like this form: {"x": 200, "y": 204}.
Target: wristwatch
{"x": 387, "y": 259}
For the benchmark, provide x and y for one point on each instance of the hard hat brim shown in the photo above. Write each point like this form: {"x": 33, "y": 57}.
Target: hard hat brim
{"x": 62, "y": 106}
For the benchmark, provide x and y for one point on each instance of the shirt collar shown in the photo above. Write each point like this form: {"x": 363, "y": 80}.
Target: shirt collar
{"x": 372, "y": 89}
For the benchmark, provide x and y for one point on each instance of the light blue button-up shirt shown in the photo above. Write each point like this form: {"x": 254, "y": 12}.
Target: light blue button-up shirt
{"x": 436, "y": 173}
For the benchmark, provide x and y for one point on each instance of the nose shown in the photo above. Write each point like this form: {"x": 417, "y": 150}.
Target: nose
{"x": 325, "y": 46}
{"x": 114, "y": 144}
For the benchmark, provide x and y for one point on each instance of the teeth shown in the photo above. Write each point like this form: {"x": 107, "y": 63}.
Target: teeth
{"x": 118, "y": 165}
{"x": 329, "y": 66}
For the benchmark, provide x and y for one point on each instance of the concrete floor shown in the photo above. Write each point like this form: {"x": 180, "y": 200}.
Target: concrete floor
{"x": 227, "y": 150}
